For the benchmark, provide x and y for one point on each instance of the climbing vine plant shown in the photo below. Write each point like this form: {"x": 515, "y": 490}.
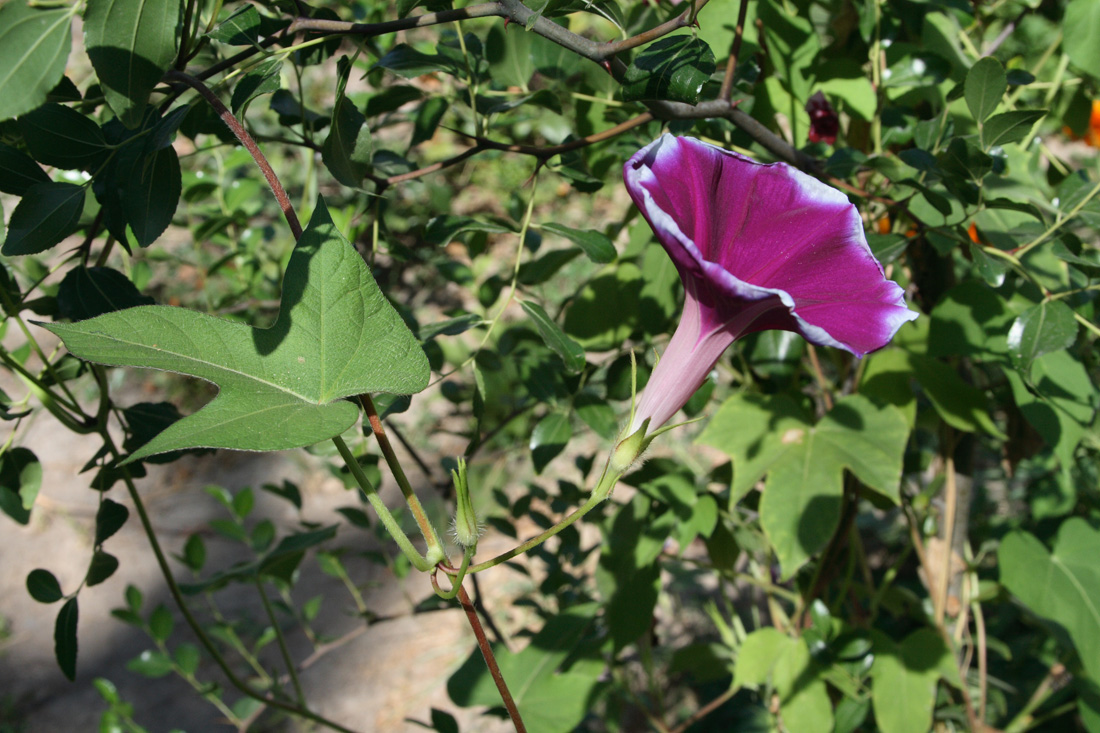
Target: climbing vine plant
{"x": 852, "y": 532}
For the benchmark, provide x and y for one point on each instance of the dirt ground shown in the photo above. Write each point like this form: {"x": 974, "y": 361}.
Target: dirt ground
{"x": 383, "y": 677}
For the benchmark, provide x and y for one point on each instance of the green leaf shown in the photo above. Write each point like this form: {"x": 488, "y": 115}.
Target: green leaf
{"x": 34, "y": 48}
{"x": 151, "y": 663}
{"x": 961, "y": 405}
{"x": 161, "y": 623}
{"x": 280, "y": 388}
{"x": 508, "y": 50}
{"x": 187, "y": 656}
{"x": 985, "y": 85}
{"x": 406, "y": 61}
{"x": 47, "y": 213}
{"x": 596, "y": 245}
{"x": 442, "y": 229}
{"x": 347, "y": 149}
{"x": 805, "y": 463}
{"x": 62, "y": 137}
{"x": 597, "y": 414}
{"x": 905, "y": 677}
{"x": 240, "y": 29}
{"x": 1010, "y": 127}
{"x": 151, "y": 193}
{"x": 605, "y": 312}
{"x": 20, "y": 480}
{"x": 43, "y": 586}
{"x": 569, "y": 350}
{"x": 265, "y": 78}
{"x": 87, "y": 292}
{"x": 18, "y": 171}
{"x": 1081, "y": 26}
{"x": 109, "y": 519}
{"x": 103, "y": 566}
{"x": 1062, "y": 586}
{"x": 1043, "y": 328}
{"x": 428, "y": 116}
{"x": 131, "y": 43}
{"x": 674, "y": 68}
{"x": 549, "y": 701}
{"x": 64, "y": 637}
{"x": 767, "y": 654}
{"x": 549, "y": 438}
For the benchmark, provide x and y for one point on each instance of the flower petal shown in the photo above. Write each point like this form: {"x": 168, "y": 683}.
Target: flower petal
{"x": 745, "y": 232}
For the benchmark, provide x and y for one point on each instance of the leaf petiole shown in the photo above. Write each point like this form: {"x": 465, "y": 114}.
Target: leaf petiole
{"x": 420, "y": 562}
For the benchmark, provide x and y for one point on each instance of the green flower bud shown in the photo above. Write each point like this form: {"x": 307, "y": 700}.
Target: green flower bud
{"x": 629, "y": 450}
{"x": 467, "y": 530}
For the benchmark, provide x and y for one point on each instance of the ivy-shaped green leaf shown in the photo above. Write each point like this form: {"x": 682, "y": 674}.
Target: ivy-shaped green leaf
{"x": 805, "y": 463}
{"x": 281, "y": 387}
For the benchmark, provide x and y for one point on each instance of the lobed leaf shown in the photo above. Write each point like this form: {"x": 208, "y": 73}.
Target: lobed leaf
{"x": 281, "y": 387}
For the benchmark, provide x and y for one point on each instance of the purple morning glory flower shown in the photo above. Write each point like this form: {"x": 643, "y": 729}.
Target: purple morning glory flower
{"x": 757, "y": 247}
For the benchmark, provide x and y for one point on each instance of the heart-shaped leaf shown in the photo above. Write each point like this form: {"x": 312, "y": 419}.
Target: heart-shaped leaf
{"x": 281, "y": 387}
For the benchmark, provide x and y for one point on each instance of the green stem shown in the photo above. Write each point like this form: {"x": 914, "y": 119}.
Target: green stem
{"x": 281, "y": 639}
{"x": 192, "y": 622}
{"x": 420, "y": 562}
{"x": 1058, "y": 222}
{"x": 602, "y": 491}
{"x": 457, "y": 578}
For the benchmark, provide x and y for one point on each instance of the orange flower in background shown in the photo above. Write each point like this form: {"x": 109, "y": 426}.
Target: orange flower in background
{"x": 973, "y": 232}
{"x": 1092, "y": 134}
{"x": 884, "y": 225}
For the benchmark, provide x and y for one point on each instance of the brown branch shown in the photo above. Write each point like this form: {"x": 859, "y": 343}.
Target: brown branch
{"x": 735, "y": 51}
{"x": 369, "y": 30}
{"x": 704, "y": 711}
{"x": 490, "y": 660}
{"x": 549, "y": 151}
{"x": 250, "y": 145}
{"x": 683, "y": 20}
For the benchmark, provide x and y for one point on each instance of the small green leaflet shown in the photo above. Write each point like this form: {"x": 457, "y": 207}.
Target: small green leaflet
{"x": 281, "y": 387}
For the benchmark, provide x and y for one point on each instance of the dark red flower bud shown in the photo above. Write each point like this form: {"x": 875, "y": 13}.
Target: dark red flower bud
{"x": 824, "y": 123}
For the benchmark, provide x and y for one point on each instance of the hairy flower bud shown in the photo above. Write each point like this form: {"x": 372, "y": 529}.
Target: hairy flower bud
{"x": 467, "y": 530}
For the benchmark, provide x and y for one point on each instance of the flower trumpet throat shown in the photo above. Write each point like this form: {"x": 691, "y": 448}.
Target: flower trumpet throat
{"x": 757, "y": 247}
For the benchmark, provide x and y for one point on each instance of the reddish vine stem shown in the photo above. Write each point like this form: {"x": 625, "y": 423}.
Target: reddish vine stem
{"x": 250, "y": 145}
{"x": 490, "y": 659}
{"x": 735, "y": 51}
{"x": 384, "y": 444}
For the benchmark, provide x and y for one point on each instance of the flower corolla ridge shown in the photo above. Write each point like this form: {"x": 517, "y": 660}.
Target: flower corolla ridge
{"x": 757, "y": 247}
